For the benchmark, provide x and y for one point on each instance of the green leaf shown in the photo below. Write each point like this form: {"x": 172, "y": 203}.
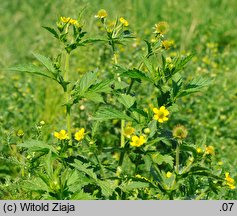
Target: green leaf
{"x": 49, "y": 164}
{"x": 126, "y": 100}
{"x": 92, "y": 40}
{"x": 131, "y": 185}
{"x": 176, "y": 87}
{"x": 195, "y": 85}
{"x": 159, "y": 159}
{"x": 103, "y": 86}
{"x": 153, "y": 127}
{"x": 119, "y": 85}
{"x": 36, "y": 145}
{"x": 36, "y": 184}
{"x": 108, "y": 112}
{"x": 135, "y": 74}
{"x": 84, "y": 168}
{"x": 188, "y": 148}
{"x": 198, "y": 168}
{"x": 107, "y": 187}
{"x": 86, "y": 81}
{"x": 45, "y": 61}
{"x": 76, "y": 180}
{"x": 80, "y": 195}
{"x": 180, "y": 62}
{"x": 52, "y": 31}
{"x": 149, "y": 66}
{"x": 149, "y": 48}
{"x": 30, "y": 68}
{"x": 163, "y": 61}
{"x": 93, "y": 96}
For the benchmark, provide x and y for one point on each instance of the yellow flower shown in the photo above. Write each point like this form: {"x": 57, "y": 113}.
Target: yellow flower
{"x": 128, "y": 131}
{"x": 166, "y": 44}
{"x": 65, "y": 19}
{"x": 161, "y": 28}
{"x": 210, "y": 150}
{"x": 229, "y": 181}
{"x": 168, "y": 174}
{"x": 161, "y": 114}
{"x": 199, "y": 150}
{"x": 180, "y": 132}
{"x": 137, "y": 141}
{"x": 101, "y": 14}
{"x": 61, "y": 135}
{"x": 80, "y": 134}
{"x": 70, "y": 21}
{"x": 123, "y": 21}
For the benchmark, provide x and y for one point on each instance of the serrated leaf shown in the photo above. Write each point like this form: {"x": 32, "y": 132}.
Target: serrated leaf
{"x": 195, "y": 85}
{"x": 126, "y": 100}
{"x": 36, "y": 145}
{"x": 103, "y": 86}
{"x": 180, "y": 62}
{"x": 149, "y": 66}
{"x": 93, "y": 96}
{"x": 119, "y": 85}
{"x": 107, "y": 188}
{"x": 135, "y": 74}
{"x": 108, "y": 112}
{"x": 36, "y": 184}
{"x": 189, "y": 148}
{"x": 52, "y": 31}
{"x": 86, "y": 81}
{"x": 153, "y": 127}
{"x": 176, "y": 87}
{"x": 45, "y": 61}
{"x": 49, "y": 164}
{"x": 30, "y": 68}
{"x": 159, "y": 159}
{"x": 80, "y": 195}
{"x": 84, "y": 168}
{"x": 149, "y": 48}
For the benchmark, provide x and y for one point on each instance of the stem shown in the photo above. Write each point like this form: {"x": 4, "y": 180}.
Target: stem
{"x": 177, "y": 157}
{"x": 122, "y": 154}
{"x": 122, "y": 138}
{"x": 67, "y": 98}
{"x": 100, "y": 165}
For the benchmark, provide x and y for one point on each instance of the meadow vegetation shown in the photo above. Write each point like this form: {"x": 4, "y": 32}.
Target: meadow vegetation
{"x": 118, "y": 100}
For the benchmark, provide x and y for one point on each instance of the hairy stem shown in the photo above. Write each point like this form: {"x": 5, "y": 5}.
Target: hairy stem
{"x": 177, "y": 157}
{"x": 67, "y": 98}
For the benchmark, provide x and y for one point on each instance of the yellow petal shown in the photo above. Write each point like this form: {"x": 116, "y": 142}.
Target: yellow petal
{"x": 155, "y": 110}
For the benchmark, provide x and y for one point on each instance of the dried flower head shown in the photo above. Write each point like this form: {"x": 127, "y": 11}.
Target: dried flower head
{"x": 102, "y": 13}
{"x": 180, "y": 132}
{"x": 161, "y": 28}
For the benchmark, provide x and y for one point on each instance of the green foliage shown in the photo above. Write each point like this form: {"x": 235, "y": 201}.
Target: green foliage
{"x": 101, "y": 137}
